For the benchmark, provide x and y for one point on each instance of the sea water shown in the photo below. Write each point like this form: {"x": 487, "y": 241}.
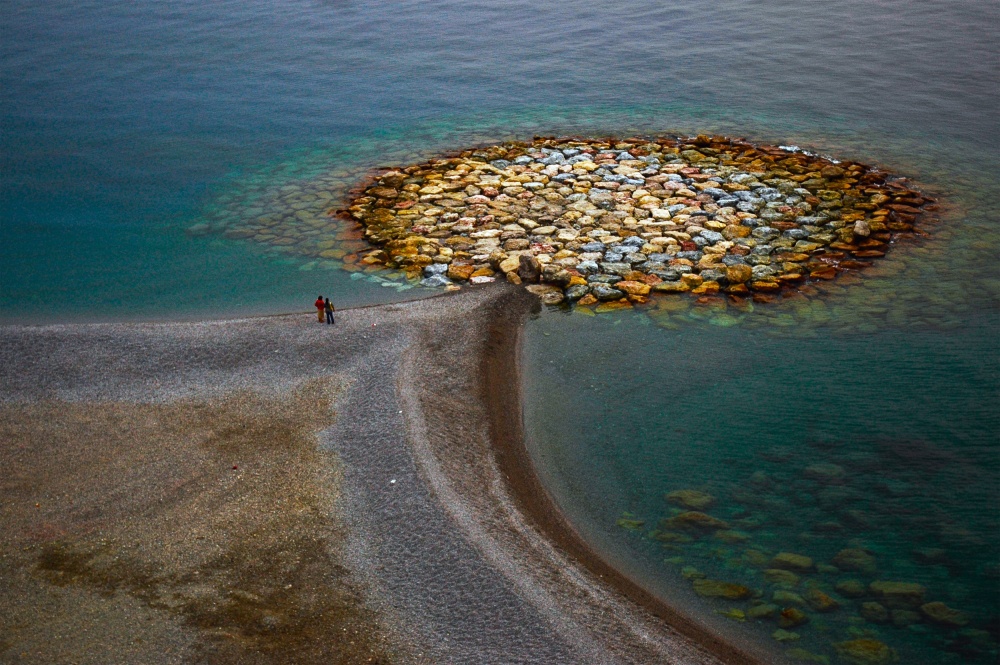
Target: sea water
{"x": 140, "y": 141}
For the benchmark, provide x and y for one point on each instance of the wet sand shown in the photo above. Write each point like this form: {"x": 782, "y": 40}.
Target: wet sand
{"x": 273, "y": 490}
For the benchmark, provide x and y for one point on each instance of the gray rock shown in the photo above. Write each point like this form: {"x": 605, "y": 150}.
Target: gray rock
{"x": 691, "y": 256}
{"x": 587, "y": 267}
{"x": 714, "y": 276}
{"x": 523, "y": 160}
{"x": 593, "y": 246}
{"x": 763, "y": 272}
{"x": 634, "y": 241}
{"x": 615, "y": 268}
{"x": 716, "y": 193}
{"x": 769, "y": 194}
{"x": 796, "y": 234}
{"x": 712, "y": 236}
{"x": 577, "y": 291}
{"x": 624, "y": 155}
{"x": 500, "y": 163}
{"x": 727, "y": 202}
{"x": 676, "y": 208}
{"x": 765, "y": 232}
{"x": 613, "y": 257}
{"x": 435, "y": 269}
{"x": 602, "y": 278}
{"x": 750, "y": 205}
{"x": 435, "y": 281}
{"x": 635, "y": 258}
{"x": 605, "y": 292}
{"x": 563, "y": 177}
{"x": 733, "y": 260}
{"x": 661, "y": 258}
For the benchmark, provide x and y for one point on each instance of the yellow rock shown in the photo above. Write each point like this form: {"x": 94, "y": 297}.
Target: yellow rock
{"x": 633, "y": 288}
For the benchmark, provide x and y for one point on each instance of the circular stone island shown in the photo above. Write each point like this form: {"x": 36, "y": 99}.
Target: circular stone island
{"x": 613, "y": 222}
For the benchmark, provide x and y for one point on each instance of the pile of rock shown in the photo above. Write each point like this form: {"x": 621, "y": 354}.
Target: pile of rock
{"x": 607, "y": 221}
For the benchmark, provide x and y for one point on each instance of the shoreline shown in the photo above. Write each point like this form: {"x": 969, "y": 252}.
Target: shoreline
{"x": 439, "y": 412}
{"x": 510, "y": 444}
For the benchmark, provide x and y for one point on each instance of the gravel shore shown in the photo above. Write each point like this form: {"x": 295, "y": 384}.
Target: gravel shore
{"x": 273, "y": 490}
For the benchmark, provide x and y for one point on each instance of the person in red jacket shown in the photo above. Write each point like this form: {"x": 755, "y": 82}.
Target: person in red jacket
{"x": 320, "y": 308}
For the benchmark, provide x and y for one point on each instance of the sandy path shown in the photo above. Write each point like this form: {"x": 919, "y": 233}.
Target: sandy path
{"x": 447, "y": 564}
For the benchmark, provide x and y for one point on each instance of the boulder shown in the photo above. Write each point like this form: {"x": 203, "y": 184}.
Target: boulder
{"x": 529, "y": 269}
{"x": 940, "y": 613}
{"x": 865, "y": 651}
{"x": 820, "y": 602}
{"x": 694, "y": 520}
{"x": 762, "y": 611}
{"x": 898, "y": 594}
{"x": 790, "y": 561}
{"x": 550, "y": 295}
{"x": 717, "y": 589}
{"x": 874, "y": 612}
{"x": 791, "y": 617}
{"x": 691, "y": 499}
{"x": 854, "y": 559}
{"x": 851, "y": 588}
{"x": 785, "y": 578}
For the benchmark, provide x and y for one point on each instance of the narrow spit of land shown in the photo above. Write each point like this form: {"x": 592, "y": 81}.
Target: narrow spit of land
{"x": 272, "y": 490}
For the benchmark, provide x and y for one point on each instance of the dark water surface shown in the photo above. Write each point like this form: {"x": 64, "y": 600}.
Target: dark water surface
{"x": 137, "y": 137}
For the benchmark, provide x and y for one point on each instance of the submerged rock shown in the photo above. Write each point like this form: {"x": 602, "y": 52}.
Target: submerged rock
{"x": 941, "y": 614}
{"x": 820, "y": 602}
{"x": 717, "y": 589}
{"x": 853, "y": 559}
{"x": 694, "y": 520}
{"x": 691, "y": 499}
{"x": 790, "y": 561}
{"x": 865, "y": 651}
{"x": 898, "y": 594}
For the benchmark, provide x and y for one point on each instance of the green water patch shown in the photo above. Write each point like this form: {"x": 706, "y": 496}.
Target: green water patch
{"x": 830, "y": 496}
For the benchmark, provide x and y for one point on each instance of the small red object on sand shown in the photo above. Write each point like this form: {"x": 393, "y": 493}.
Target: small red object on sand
{"x": 235, "y": 467}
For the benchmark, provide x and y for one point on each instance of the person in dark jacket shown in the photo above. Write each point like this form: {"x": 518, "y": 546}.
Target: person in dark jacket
{"x": 328, "y": 307}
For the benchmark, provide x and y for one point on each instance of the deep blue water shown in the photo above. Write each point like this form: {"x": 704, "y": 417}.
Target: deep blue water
{"x": 135, "y": 136}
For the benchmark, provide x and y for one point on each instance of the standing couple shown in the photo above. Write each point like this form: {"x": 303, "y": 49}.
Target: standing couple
{"x": 324, "y": 306}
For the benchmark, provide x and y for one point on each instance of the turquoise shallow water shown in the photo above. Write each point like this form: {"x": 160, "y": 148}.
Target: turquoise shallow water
{"x": 135, "y": 138}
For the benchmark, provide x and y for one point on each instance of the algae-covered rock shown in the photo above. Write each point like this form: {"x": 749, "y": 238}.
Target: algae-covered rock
{"x": 854, "y": 559}
{"x": 762, "y": 611}
{"x": 898, "y": 594}
{"x": 941, "y": 614}
{"x": 866, "y": 651}
{"x": 781, "y": 577}
{"x": 790, "y": 561}
{"x": 803, "y": 656}
{"x": 791, "y": 617}
{"x": 694, "y": 520}
{"x": 874, "y": 612}
{"x": 691, "y": 499}
{"x": 904, "y": 618}
{"x": 851, "y": 588}
{"x": 734, "y": 614}
{"x": 630, "y": 522}
{"x": 717, "y": 589}
{"x": 820, "y": 601}
{"x": 825, "y": 472}
{"x": 730, "y": 536}
{"x": 782, "y": 635}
